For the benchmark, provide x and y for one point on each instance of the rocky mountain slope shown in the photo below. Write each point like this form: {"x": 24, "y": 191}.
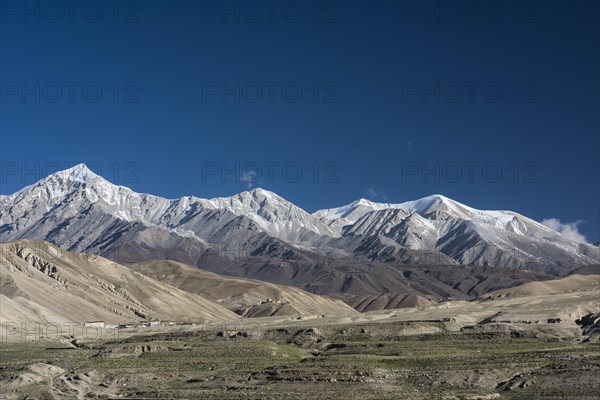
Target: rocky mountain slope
{"x": 571, "y": 283}
{"x": 43, "y": 284}
{"x": 247, "y": 297}
{"x": 467, "y": 235}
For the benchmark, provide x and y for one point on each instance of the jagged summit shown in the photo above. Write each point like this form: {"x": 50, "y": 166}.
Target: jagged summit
{"x": 255, "y": 198}
{"x": 363, "y": 202}
{"x": 260, "y": 194}
{"x": 79, "y": 173}
{"x": 263, "y": 192}
{"x": 358, "y": 208}
{"x": 70, "y": 177}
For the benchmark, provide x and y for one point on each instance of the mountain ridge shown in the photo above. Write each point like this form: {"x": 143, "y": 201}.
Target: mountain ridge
{"x": 81, "y": 211}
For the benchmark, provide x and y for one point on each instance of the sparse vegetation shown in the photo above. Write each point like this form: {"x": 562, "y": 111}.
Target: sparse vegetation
{"x": 340, "y": 362}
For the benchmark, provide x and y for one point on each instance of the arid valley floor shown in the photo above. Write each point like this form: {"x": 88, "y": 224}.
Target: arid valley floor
{"x": 520, "y": 343}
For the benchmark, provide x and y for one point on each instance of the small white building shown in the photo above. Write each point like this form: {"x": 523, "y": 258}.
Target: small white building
{"x": 94, "y": 324}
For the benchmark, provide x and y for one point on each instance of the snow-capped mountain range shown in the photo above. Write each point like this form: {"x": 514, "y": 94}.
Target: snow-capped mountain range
{"x": 81, "y": 211}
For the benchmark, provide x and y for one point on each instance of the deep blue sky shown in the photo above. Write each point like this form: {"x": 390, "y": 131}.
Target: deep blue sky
{"x": 379, "y": 65}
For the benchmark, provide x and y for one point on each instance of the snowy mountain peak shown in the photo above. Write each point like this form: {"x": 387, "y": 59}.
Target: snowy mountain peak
{"x": 364, "y": 202}
{"x": 438, "y": 198}
{"x": 437, "y": 202}
{"x": 425, "y": 205}
{"x": 262, "y": 193}
{"x": 252, "y": 200}
{"x": 78, "y": 173}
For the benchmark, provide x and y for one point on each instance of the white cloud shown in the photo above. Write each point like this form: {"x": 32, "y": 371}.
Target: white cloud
{"x": 568, "y": 229}
{"x": 375, "y": 194}
{"x": 249, "y": 177}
